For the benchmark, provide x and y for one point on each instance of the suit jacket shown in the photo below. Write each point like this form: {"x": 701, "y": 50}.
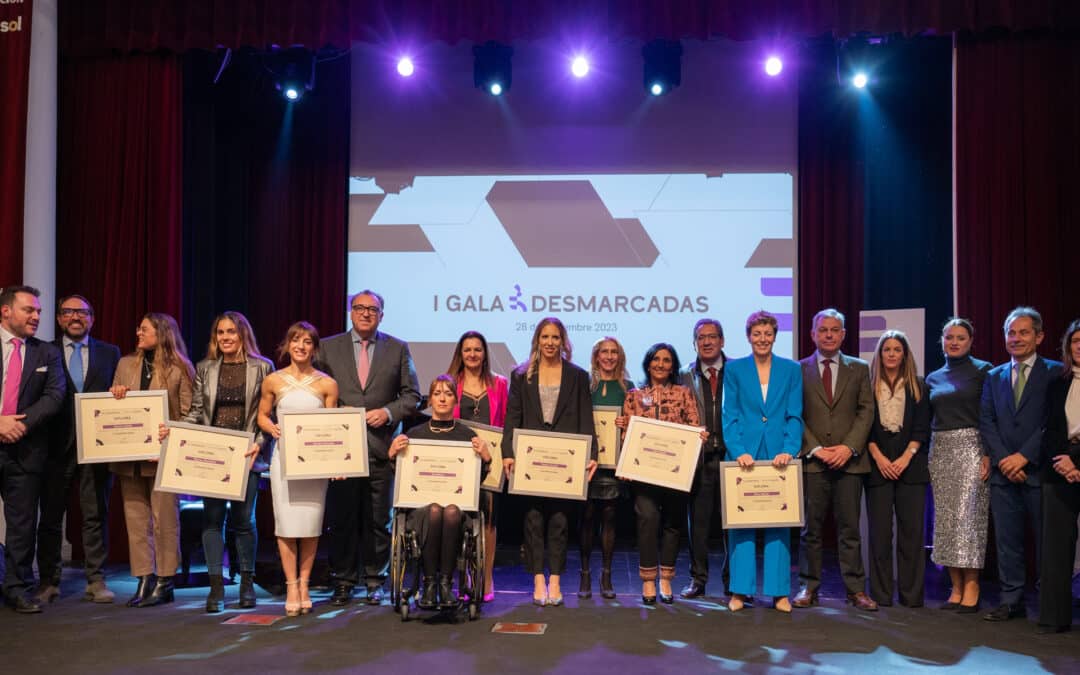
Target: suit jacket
{"x": 847, "y": 421}
{"x": 762, "y": 428}
{"x": 204, "y": 398}
{"x": 391, "y": 383}
{"x": 177, "y": 383}
{"x": 1006, "y": 427}
{"x": 1055, "y": 440}
{"x": 692, "y": 378}
{"x": 102, "y": 358}
{"x": 916, "y": 426}
{"x": 41, "y": 396}
{"x": 573, "y": 410}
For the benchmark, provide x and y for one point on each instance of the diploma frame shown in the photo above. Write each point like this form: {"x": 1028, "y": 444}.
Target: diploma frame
{"x": 788, "y": 511}
{"x": 237, "y": 467}
{"x": 496, "y": 477}
{"x": 579, "y": 451}
{"x": 409, "y": 495}
{"x": 354, "y": 428}
{"x": 608, "y": 436}
{"x": 687, "y": 438}
{"x": 92, "y": 450}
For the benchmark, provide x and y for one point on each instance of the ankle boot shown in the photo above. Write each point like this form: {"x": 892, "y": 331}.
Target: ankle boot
{"x": 606, "y": 589}
{"x": 146, "y": 584}
{"x": 247, "y": 590}
{"x": 215, "y": 601}
{"x": 446, "y": 592}
{"x": 585, "y": 589}
{"x": 162, "y": 593}
{"x": 429, "y": 597}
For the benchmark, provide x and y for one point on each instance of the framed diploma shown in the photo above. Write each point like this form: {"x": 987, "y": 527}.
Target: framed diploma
{"x": 119, "y": 430}
{"x": 204, "y": 461}
{"x": 763, "y": 496}
{"x": 496, "y": 477}
{"x": 660, "y": 453}
{"x": 323, "y": 443}
{"x": 437, "y": 472}
{"x": 550, "y": 464}
{"x": 607, "y": 435}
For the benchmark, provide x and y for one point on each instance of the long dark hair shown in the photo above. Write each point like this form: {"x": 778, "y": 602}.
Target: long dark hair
{"x": 1066, "y": 353}
{"x": 457, "y": 362}
{"x": 673, "y": 376}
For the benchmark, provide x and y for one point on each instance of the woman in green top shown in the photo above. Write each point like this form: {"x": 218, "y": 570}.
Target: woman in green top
{"x": 609, "y": 383}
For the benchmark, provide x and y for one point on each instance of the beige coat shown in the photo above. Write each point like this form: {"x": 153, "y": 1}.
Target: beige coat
{"x": 177, "y": 382}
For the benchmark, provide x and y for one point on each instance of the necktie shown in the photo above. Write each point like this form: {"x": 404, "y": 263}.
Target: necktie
{"x": 826, "y": 380}
{"x": 363, "y": 366}
{"x": 11, "y": 385}
{"x": 75, "y": 366}
{"x": 713, "y": 381}
{"x": 1021, "y": 380}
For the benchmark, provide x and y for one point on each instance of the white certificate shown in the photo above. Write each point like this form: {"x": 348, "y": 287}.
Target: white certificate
{"x": 204, "y": 461}
{"x": 496, "y": 477}
{"x": 660, "y": 453}
{"x": 108, "y": 429}
{"x": 607, "y": 435}
{"x": 761, "y": 496}
{"x": 550, "y": 464}
{"x": 437, "y": 472}
{"x": 323, "y": 443}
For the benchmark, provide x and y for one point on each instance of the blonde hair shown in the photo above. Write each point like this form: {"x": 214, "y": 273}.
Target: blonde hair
{"x": 620, "y": 364}
{"x": 907, "y": 366}
{"x": 248, "y": 346}
{"x": 170, "y": 350}
{"x": 533, "y": 363}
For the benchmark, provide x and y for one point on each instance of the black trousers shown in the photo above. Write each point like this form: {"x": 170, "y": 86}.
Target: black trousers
{"x": 547, "y": 519}
{"x": 1060, "y": 509}
{"x": 20, "y": 491}
{"x": 94, "y": 483}
{"x": 908, "y": 503}
{"x": 843, "y": 492}
{"x": 358, "y": 517}
{"x": 661, "y": 515}
{"x": 703, "y": 505}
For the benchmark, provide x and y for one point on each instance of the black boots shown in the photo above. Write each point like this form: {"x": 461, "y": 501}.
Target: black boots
{"x": 247, "y": 590}
{"x": 446, "y": 592}
{"x": 146, "y": 583}
{"x": 215, "y": 601}
{"x": 429, "y": 597}
{"x": 162, "y": 593}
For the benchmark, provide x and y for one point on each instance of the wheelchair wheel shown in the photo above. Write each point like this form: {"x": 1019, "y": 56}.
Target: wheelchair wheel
{"x": 473, "y": 555}
{"x": 403, "y": 610}
{"x": 397, "y": 561}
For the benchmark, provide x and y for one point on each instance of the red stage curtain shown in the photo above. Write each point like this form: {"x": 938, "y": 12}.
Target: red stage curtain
{"x": 144, "y": 25}
{"x": 14, "y": 82}
{"x": 1017, "y": 171}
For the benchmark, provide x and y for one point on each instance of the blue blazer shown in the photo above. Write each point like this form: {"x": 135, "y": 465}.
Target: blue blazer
{"x": 762, "y": 429}
{"x": 1007, "y": 427}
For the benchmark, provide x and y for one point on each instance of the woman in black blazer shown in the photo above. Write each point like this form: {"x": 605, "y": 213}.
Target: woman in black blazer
{"x": 548, "y": 393}
{"x": 899, "y": 472}
{"x": 1060, "y": 464}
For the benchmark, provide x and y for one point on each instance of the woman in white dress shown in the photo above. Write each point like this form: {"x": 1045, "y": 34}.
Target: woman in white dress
{"x": 298, "y": 504}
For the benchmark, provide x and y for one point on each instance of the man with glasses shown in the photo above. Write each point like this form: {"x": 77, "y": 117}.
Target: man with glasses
{"x": 89, "y": 366}
{"x": 374, "y": 371}
{"x": 705, "y": 377}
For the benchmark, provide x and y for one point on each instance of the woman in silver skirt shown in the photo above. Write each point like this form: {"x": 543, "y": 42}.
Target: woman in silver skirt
{"x": 959, "y": 466}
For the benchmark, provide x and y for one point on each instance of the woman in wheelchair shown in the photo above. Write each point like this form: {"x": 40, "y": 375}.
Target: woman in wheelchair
{"x": 439, "y": 529}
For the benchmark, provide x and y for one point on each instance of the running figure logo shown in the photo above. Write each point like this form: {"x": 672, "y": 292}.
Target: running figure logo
{"x": 515, "y": 300}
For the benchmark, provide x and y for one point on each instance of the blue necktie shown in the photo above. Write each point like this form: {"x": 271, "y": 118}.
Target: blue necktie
{"x": 75, "y": 367}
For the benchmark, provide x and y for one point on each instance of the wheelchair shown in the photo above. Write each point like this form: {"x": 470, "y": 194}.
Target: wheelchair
{"x": 406, "y": 563}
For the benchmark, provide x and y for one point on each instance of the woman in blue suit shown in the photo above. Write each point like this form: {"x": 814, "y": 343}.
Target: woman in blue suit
{"x": 762, "y": 421}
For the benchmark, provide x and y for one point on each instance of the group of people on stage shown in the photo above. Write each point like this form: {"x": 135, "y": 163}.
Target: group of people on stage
{"x": 1004, "y": 440}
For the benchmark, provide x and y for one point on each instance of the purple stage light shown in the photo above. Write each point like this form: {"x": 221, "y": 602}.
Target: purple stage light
{"x": 405, "y": 67}
{"x": 773, "y": 66}
{"x": 580, "y": 66}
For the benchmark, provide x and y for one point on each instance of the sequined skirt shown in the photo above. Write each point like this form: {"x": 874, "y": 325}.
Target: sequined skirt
{"x": 961, "y": 498}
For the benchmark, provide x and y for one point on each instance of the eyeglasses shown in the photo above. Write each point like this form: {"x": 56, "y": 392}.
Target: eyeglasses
{"x": 708, "y": 337}
{"x": 365, "y": 310}
{"x": 81, "y": 313}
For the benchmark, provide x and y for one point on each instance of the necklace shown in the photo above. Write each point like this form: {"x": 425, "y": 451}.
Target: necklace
{"x": 441, "y": 426}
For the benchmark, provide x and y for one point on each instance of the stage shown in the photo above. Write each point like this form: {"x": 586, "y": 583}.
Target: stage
{"x": 586, "y": 636}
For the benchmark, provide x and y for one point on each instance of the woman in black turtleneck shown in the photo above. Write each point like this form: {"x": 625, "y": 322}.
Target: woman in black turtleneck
{"x": 959, "y": 466}
{"x": 439, "y": 528}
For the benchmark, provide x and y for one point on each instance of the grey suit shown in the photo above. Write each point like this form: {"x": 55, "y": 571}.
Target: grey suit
{"x": 846, "y": 422}
{"x": 358, "y": 509}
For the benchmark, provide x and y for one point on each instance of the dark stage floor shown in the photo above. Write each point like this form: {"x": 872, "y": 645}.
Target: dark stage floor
{"x": 587, "y": 636}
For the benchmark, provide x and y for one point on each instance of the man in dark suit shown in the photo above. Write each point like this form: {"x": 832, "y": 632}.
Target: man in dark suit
{"x": 838, "y": 409}
{"x": 31, "y": 392}
{"x": 1012, "y": 418}
{"x": 705, "y": 377}
{"x": 373, "y": 371}
{"x": 89, "y": 366}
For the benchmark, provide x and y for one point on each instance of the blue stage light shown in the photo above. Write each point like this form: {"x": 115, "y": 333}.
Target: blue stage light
{"x": 860, "y": 80}
{"x": 663, "y": 66}
{"x": 291, "y": 93}
{"x": 491, "y": 67}
{"x": 656, "y": 89}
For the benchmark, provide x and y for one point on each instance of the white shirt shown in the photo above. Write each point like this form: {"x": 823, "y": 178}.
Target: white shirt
{"x": 1029, "y": 362}
{"x": 834, "y": 367}
{"x": 69, "y": 349}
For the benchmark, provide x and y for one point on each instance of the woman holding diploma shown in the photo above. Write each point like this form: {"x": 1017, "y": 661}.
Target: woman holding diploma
{"x": 160, "y": 361}
{"x": 762, "y": 421}
{"x": 439, "y": 529}
{"x": 481, "y": 397}
{"x": 228, "y": 386}
{"x": 548, "y": 393}
{"x": 661, "y": 398}
{"x": 298, "y": 504}
{"x": 609, "y": 382}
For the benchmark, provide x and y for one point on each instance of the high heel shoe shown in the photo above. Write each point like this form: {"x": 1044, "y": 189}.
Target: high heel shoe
{"x": 736, "y": 604}
{"x": 555, "y": 596}
{"x": 782, "y": 604}
{"x": 606, "y": 589}
{"x": 305, "y": 596}
{"x": 291, "y": 608}
{"x": 585, "y": 588}
{"x": 667, "y": 575}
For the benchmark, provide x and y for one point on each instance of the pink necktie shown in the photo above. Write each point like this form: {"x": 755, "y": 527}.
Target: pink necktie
{"x": 363, "y": 365}
{"x": 11, "y": 385}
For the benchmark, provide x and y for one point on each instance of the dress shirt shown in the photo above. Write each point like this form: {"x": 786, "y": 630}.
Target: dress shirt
{"x": 1014, "y": 371}
{"x": 356, "y": 339}
{"x": 69, "y": 349}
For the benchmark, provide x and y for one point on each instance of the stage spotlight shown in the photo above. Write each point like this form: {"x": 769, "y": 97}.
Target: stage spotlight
{"x": 293, "y": 70}
{"x": 860, "y": 80}
{"x": 291, "y": 93}
{"x": 491, "y": 67}
{"x": 405, "y": 67}
{"x": 580, "y": 66}
{"x": 773, "y": 66}
{"x": 663, "y": 66}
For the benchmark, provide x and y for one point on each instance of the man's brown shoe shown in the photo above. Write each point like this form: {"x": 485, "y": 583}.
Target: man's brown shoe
{"x": 97, "y": 591}
{"x": 46, "y": 594}
{"x": 862, "y": 601}
{"x": 805, "y": 598}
